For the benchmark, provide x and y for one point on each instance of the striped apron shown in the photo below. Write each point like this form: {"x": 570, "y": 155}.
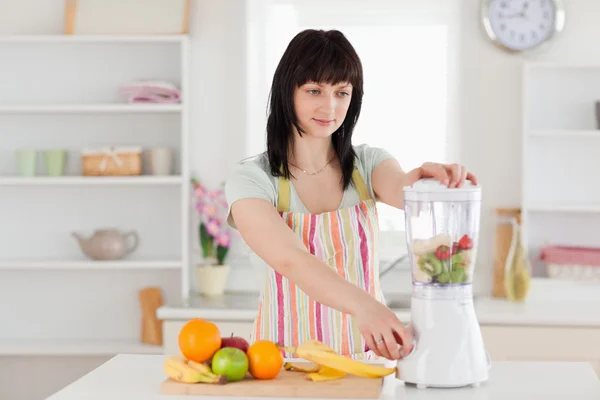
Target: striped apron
{"x": 348, "y": 241}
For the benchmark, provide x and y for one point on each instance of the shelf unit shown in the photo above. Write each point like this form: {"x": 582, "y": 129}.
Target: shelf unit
{"x": 89, "y": 264}
{"x": 560, "y": 142}
{"x": 81, "y": 347}
{"x": 91, "y": 180}
{"x": 61, "y": 92}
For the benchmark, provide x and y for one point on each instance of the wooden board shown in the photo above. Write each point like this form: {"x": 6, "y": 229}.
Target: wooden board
{"x": 286, "y": 384}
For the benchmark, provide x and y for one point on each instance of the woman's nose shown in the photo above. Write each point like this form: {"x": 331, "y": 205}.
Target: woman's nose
{"x": 329, "y": 104}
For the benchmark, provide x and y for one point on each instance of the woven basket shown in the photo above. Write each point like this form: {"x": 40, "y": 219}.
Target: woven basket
{"x": 112, "y": 161}
{"x": 569, "y": 262}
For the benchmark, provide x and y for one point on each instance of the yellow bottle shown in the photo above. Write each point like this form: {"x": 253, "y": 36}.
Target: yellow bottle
{"x": 517, "y": 276}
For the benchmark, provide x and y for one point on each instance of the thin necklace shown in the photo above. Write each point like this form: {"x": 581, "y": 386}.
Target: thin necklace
{"x": 313, "y": 173}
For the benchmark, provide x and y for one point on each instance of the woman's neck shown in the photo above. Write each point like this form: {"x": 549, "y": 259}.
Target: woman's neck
{"x": 311, "y": 154}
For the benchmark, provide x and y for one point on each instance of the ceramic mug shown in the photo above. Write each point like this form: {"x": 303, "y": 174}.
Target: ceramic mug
{"x": 161, "y": 160}
{"x": 27, "y": 161}
{"x": 54, "y": 161}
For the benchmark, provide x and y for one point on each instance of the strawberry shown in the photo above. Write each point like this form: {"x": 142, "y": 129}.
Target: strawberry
{"x": 465, "y": 242}
{"x": 443, "y": 252}
{"x": 455, "y": 248}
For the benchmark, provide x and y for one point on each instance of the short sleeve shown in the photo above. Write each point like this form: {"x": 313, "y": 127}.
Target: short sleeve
{"x": 369, "y": 157}
{"x": 248, "y": 181}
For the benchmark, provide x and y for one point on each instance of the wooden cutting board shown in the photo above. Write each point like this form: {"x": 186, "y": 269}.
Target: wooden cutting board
{"x": 286, "y": 384}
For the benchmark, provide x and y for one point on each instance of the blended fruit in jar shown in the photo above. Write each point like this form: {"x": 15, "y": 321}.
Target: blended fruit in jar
{"x": 441, "y": 260}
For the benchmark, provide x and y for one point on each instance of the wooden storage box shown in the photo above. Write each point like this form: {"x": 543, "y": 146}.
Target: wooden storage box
{"x": 112, "y": 161}
{"x": 126, "y": 17}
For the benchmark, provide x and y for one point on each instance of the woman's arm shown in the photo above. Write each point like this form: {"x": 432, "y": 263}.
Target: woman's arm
{"x": 388, "y": 179}
{"x": 271, "y": 239}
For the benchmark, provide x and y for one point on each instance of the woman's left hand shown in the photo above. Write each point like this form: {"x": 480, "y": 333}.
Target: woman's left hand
{"x": 452, "y": 175}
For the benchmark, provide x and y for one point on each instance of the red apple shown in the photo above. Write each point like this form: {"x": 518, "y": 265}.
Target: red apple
{"x": 235, "y": 341}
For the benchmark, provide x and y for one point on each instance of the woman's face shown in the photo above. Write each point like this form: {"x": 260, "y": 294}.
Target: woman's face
{"x": 321, "y": 108}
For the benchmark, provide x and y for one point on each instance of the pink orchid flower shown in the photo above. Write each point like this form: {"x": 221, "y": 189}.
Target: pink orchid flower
{"x": 209, "y": 210}
{"x": 214, "y": 194}
{"x": 199, "y": 192}
{"x": 213, "y": 226}
{"x": 223, "y": 239}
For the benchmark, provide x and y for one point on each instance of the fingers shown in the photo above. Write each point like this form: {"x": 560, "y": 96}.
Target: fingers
{"x": 405, "y": 337}
{"x": 382, "y": 346}
{"x": 371, "y": 344}
{"x": 438, "y": 171}
{"x": 472, "y": 178}
{"x": 452, "y": 175}
{"x": 391, "y": 345}
{"x": 455, "y": 175}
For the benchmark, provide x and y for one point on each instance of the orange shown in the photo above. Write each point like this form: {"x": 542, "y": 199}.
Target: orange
{"x": 264, "y": 359}
{"x": 199, "y": 340}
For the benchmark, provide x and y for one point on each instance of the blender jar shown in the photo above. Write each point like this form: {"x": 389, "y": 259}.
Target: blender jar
{"x": 442, "y": 230}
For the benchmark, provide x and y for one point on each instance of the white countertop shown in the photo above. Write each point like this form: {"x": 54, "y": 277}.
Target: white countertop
{"x": 138, "y": 377}
{"x": 549, "y": 303}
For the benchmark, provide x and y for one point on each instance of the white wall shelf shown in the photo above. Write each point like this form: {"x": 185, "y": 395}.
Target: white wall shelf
{"x": 79, "y": 347}
{"x": 89, "y": 264}
{"x": 560, "y": 142}
{"x": 63, "y": 92}
{"x": 90, "y": 180}
{"x": 90, "y": 108}
{"x": 541, "y": 208}
{"x": 565, "y": 133}
{"x": 116, "y": 39}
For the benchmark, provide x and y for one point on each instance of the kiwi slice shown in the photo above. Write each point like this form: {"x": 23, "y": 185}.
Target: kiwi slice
{"x": 444, "y": 277}
{"x": 457, "y": 276}
{"x": 430, "y": 264}
{"x": 458, "y": 261}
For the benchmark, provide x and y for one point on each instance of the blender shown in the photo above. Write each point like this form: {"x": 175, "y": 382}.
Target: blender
{"x": 442, "y": 229}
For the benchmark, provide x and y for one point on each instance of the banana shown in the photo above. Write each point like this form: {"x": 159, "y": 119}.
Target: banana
{"x": 325, "y": 374}
{"x": 179, "y": 369}
{"x": 200, "y": 367}
{"x": 320, "y": 354}
{"x": 301, "y": 368}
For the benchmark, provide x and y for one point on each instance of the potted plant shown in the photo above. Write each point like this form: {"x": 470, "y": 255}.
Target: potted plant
{"x": 214, "y": 239}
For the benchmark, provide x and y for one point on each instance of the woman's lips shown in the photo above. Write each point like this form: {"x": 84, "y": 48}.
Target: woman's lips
{"x": 324, "y": 122}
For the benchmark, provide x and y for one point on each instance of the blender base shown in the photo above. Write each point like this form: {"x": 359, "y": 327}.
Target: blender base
{"x": 448, "y": 348}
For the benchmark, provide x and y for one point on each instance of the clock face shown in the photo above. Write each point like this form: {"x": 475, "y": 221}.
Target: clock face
{"x": 521, "y": 24}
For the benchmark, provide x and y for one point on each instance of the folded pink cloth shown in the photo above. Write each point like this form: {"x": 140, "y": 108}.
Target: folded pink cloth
{"x": 151, "y": 92}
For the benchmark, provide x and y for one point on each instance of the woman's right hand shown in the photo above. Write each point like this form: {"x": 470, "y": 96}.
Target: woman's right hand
{"x": 376, "y": 322}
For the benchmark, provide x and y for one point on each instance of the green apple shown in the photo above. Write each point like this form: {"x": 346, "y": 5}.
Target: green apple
{"x": 230, "y": 362}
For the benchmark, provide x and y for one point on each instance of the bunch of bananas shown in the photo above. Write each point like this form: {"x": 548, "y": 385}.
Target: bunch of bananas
{"x": 330, "y": 365}
{"x": 187, "y": 371}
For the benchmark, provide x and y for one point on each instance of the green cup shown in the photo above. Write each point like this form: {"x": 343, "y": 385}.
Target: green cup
{"x": 26, "y": 160}
{"x": 55, "y": 162}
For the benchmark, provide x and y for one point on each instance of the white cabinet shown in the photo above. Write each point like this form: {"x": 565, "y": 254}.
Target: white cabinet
{"x": 560, "y": 194}
{"x": 536, "y": 343}
{"x": 171, "y": 330}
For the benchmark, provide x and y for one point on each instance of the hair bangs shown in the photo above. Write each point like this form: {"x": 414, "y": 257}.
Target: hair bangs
{"x": 328, "y": 63}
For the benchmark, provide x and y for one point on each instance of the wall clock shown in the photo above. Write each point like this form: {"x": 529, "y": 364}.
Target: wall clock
{"x": 521, "y": 25}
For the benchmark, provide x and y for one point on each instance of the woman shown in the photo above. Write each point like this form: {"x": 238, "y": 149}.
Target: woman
{"x": 307, "y": 206}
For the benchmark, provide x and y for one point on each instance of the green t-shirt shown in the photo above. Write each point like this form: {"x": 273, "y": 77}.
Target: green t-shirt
{"x": 252, "y": 178}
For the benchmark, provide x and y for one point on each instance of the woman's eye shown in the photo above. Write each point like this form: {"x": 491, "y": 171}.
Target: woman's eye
{"x": 313, "y": 91}
{"x": 344, "y": 94}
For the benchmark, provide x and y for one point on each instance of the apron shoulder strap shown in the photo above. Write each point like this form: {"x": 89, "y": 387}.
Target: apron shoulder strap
{"x": 361, "y": 187}
{"x": 283, "y": 195}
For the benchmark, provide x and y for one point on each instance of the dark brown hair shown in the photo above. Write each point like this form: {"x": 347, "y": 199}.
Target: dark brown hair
{"x": 313, "y": 56}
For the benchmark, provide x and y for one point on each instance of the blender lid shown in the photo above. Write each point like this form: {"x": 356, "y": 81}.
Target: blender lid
{"x": 434, "y": 185}
{"x": 431, "y": 189}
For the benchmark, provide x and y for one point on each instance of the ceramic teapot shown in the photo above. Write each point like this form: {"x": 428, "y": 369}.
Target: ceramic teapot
{"x": 107, "y": 244}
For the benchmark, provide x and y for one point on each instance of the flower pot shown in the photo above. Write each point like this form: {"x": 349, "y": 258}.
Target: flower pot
{"x": 212, "y": 279}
